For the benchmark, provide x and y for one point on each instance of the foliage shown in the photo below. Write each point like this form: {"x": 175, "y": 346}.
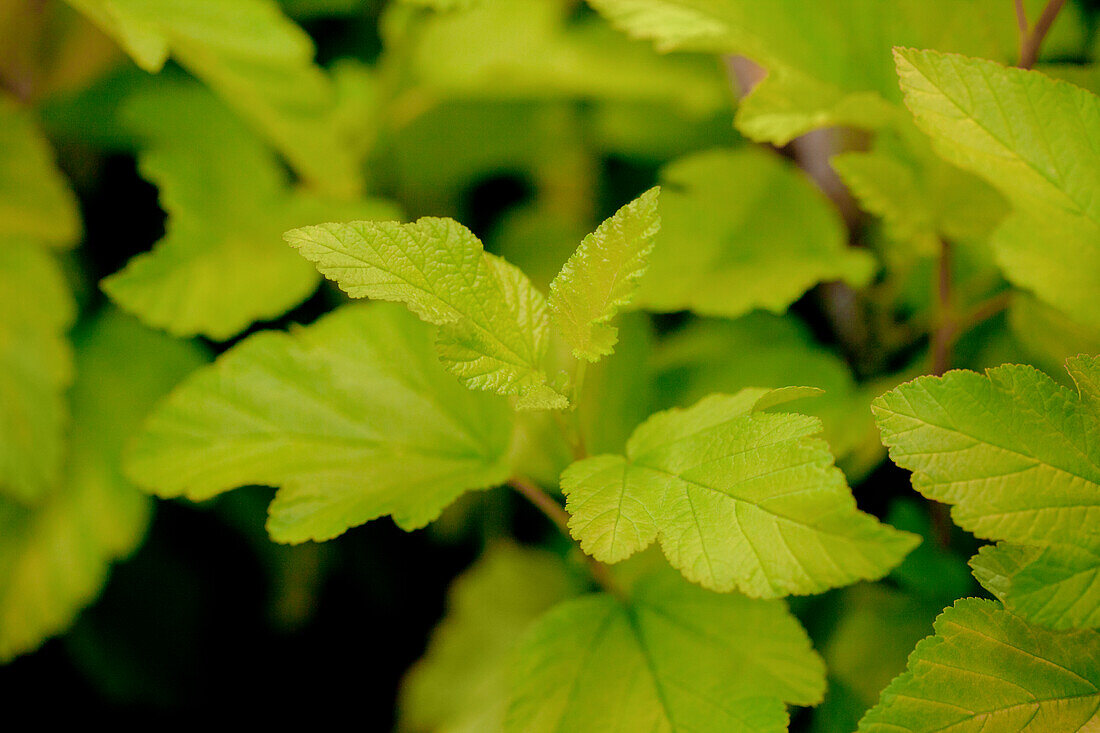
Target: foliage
{"x": 678, "y": 274}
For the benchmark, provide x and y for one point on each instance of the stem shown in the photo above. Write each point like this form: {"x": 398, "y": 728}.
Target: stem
{"x": 554, "y": 512}
{"x": 1031, "y": 42}
{"x": 944, "y": 335}
{"x": 985, "y": 310}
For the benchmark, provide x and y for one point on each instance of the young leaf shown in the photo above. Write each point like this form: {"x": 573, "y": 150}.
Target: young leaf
{"x": 986, "y": 669}
{"x": 742, "y": 229}
{"x": 256, "y": 59}
{"x": 35, "y": 202}
{"x": 1036, "y": 140}
{"x": 494, "y": 323}
{"x": 36, "y": 310}
{"x": 352, "y": 418}
{"x": 462, "y": 683}
{"x": 222, "y": 264}
{"x": 675, "y": 657}
{"x": 1013, "y": 452}
{"x": 55, "y": 555}
{"x": 602, "y": 276}
{"x": 739, "y": 499}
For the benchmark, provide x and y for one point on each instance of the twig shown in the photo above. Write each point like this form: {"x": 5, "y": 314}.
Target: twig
{"x": 554, "y": 512}
{"x": 944, "y": 335}
{"x": 983, "y": 311}
{"x": 1031, "y": 41}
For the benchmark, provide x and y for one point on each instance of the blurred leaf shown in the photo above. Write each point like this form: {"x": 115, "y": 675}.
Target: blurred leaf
{"x": 255, "y": 58}
{"x": 35, "y": 201}
{"x": 352, "y": 418}
{"x": 743, "y": 229}
{"x": 36, "y": 311}
{"x": 1048, "y": 336}
{"x": 222, "y": 264}
{"x": 673, "y": 657}
{"x": 462, "y": 683}
{"x": 54, "y": 556}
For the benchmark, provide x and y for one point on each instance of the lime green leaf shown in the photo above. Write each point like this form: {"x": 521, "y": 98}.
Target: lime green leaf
{"x": 602, "y": 276}
{"x": 35, "y": 201}
{"x": 55, "y": 555}
{"x": 673, "y": 658}
{"x": 1057, "y": 586}
{"x": 535, "y": 49}
{"x": 462, "y": 683}
{"x": 494, "y": 322}
{"x": 737, "y": 497}
{"x": 1036, "y": 140}
{"x": 222, "y": 264}
{"x": 352, "y": 418}
{"x": 36, "y": 310}
{"x": 742, "y": 229}
{"x": 1011, "y": 449}
{"x": 986, "y": 669}
{"x": 256, "y": 59}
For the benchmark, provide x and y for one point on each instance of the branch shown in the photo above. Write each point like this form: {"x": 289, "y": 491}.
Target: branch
{"x": 556, "y": 514}
{"x": 1030, "y": 42}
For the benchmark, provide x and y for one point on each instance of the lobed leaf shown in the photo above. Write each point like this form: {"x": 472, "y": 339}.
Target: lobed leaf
{"x": 352, "y": 418}
{"x": 739, "y": 499}
{"x": 672, "y": 658}
{"x": 986, "y": 669}
{"x": 493, "y": 322}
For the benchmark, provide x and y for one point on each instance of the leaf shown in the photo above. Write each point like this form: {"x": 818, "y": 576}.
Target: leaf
{"x": 1013, "y": 452}
{"x": 222, "y": 264}
{"x": 741, "y": 229}
{"x": 494, "y": 323}
{"x": 539, "y": 49}
{"x": 54, "y": 556}
{"x": 1057, "y": 586}
{"x": 739, "y": 498}
{"x": 462, "y": 683}
{"x": 1010, "y": 449}
{"x": 36, "y": 311}
{"x": 35, "y": 201}
{"x": 352, "y": 418}
{"x": 1047, "y": 336}
{"x": 602, "y": 276}
{"x": 819, "y": 72}
{"x": 253, "y": 57}
{"x": 1036, "y": 140}
{"x": 673, "y": 658}
{"x": 987, "y": 669}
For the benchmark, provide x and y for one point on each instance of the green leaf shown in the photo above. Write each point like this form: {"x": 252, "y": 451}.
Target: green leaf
{"x": 493, "y": 322}
{"x": 462, "y": 683}
{"x": 35, "y": 201}
{"x": 1010, "y": 449}
{"x": 742, "y": 229}
{"x": 986, "y": 669}
{"x": 54, "y": 556}
{"x": 738, "y": 498}
{"x": 673, "y": 658}
{"x": 36, "y": 311}
{"x": 256, "y": 59}
{"x": 1036, "y": 140}
{"x": 602, "y": 276}
{"x": 820, "y": 73}
{"x": 1013, "y": 452}
{"x": 1047, "y": 336}
{"x": 1057, "y": 586}
{"x": 352, "y": 418}
{"x": 222, "y": 264}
